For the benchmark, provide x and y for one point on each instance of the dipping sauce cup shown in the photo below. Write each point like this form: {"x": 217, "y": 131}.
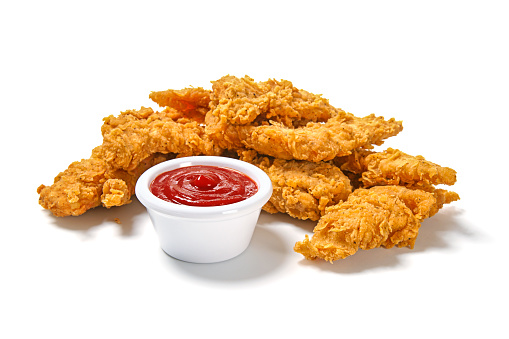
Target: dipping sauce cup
{"x": 204, "y": 234}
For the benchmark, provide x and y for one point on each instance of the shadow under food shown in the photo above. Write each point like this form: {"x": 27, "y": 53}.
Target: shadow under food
{"x": 124, "y": 216}
{"x": 264, "y": 254}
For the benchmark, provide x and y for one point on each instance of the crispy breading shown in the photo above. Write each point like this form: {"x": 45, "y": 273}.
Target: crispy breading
{"x": 442, "y": 197}
{"x": 276, "y": 119}
{"x": 134, "y": 135}
{"x": 393, "y": 167}
{"x": 315, "y": 142}
{"x": 87, "y": 183}
{"x": 301, "y": 189}
{"x": 189, "y": 102}
{"x": 385, "y": 216}
{"x": 131, "y": 142}
{"x": 75, "y": 190}
{"x": 115, "y": 193}
{"x": 242, "y": 101}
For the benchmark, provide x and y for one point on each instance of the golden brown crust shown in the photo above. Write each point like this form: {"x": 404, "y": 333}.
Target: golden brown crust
{"x": 385, "y": 216}
{"x": 130, "y": 143}
{"x": 393, "y": 167}
{"x": 189, "y": 102}
{"x": 315, "y": 142}
{"x": 182, "y": 100}
{"x": 75, "y": 190}
{"x": 91, "y": 182}
{"x": 242, "y": 101}
{"x": 134, "y": 135}
{"x": 276, "y": 119}
{"x": 301, "y": 189}
{"x": 115, "y": 193}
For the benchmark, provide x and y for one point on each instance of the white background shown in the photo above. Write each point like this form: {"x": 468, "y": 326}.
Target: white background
{"x": 440, "y": 66}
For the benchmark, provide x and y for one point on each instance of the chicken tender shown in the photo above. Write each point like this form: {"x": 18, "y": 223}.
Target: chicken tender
{"x": 393, "y": 167}
{"x": 135, "y": 135}
{"x": 276, "y": 119}
{"x": 132, "y": 142}
{"x": 242, "y": 101}
{"x": 385, "y": 216}
{"x": 91, "y": 182}
{"x": 315, "y": 142}
{"x": 301, "y": 189}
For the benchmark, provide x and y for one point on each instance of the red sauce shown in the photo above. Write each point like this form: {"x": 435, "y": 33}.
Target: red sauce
{"x": 203, "y": 186}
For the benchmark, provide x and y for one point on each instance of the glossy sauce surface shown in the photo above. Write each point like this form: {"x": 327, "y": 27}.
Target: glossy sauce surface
{"x": 203, "y": 186}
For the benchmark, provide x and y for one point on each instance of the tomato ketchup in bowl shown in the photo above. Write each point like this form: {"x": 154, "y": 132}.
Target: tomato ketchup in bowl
{"x": 204, "y": 208}
{"x": 203, "y": 186}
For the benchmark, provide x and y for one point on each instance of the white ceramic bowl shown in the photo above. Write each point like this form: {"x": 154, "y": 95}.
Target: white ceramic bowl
{"x": 204, "y": 234}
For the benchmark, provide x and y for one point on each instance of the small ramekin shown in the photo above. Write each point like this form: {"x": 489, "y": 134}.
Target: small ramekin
{"x": 204, "y": 234}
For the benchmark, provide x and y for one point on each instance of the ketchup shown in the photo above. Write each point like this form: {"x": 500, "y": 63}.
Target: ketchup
{"x": 203, "y": 186}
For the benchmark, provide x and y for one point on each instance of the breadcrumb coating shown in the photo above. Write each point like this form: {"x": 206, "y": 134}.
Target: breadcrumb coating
{"x": 301, "y": 189}
{"x": 385, "y": 216}
{"x": 242, "y": 101}
{"x": 394, "y": 167}
{"x": 276, "y": 119}
{"x": 132, "y": 142}
{"x": 91, "y": 182}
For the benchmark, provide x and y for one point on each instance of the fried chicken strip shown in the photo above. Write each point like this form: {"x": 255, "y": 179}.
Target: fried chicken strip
{"x": 276, "y": 119}
{"x": 91, "y": 182}
{"x": 301, "y": 189}
{"x": 132, "y": 142}
{"x": 136, "y": 134}
{"x": 242, "y": 101}
{"x": 385, "y": 216}
{"x": 393, "y": 167}
{"x": 315, "y": 142}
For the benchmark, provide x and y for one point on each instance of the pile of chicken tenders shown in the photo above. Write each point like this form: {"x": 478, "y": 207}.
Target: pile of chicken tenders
{"x": 320, "y": 159}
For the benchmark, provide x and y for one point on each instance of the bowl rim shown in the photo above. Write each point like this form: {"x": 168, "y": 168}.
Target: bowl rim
{"x": 255, "y": 202}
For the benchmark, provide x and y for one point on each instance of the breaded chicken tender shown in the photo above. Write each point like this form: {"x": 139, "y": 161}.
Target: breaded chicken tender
{"x": 393, "y": 167}
{"x": 136, "y": 134}
{"x": 301, "y": 189}
{"x": 276, "y": 119}
{"x": 91, "y": 182}
{"x": 385, "y": 216}
{"x": 132, "y": 142}
{"x": 315, "y": 142}
{"x": 242, "y": 101}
